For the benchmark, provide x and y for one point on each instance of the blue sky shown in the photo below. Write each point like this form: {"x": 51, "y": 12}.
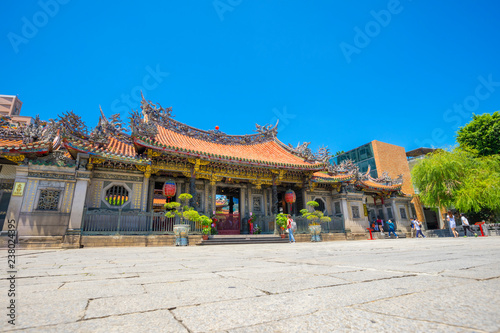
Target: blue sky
{"x": 336, "y": 73}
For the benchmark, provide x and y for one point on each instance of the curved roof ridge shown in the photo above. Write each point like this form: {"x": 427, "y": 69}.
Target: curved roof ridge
{"x": 264, "y": 133}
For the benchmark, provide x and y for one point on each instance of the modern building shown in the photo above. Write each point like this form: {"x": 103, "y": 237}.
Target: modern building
{"x": 385, "y": 161}
{"x": 10, "y": 106}
{"x": 74, "y": 185}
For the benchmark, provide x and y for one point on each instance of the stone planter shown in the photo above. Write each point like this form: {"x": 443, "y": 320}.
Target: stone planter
{"x": 315, "y": 230}
{"x": 181, "y": 232}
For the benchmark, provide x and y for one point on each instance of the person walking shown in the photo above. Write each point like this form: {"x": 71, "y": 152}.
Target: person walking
{"x": 413, "y": 221}
{"x": 418, "y": 228}
{"x": 391, "y": 228}
{"x": 290, "y": 226}
{"x": 466, "y": 225}
{"x": 453, "y": 225}
{"x": 380, "y": 224}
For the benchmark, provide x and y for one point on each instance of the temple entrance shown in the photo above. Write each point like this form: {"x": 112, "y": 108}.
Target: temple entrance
{"x": 227, "y": 210}
{"x": 431, "y": 218}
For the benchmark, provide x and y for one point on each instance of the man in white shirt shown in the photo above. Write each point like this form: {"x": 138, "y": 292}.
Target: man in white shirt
{"x": 418, "y": 228}
{"x": 465, "y": 224}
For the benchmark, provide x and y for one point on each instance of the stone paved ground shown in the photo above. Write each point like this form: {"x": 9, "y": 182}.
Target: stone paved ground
{"x": 409, "y": 285}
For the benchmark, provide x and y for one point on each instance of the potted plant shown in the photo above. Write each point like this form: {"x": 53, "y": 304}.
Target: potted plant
{"x": 281, "y": 221}
{"x": 206, "y": 222}
{"x": 315, "y": 219}
{"x": 186, "y": 213}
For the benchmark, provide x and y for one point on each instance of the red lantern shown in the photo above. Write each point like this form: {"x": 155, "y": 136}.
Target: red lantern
{"x": 216, "y": 128}
{"x": 169, "y": 188}
{"x": 290, "y": 197}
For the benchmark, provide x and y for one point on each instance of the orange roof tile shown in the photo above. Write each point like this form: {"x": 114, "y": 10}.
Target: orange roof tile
{"x": 370, "y": 184}
{"x": 10, "y": 143}
{"x": 121, "y": 148}
{"x": 269, "y": 151}
{"x": 322, "y": 176}
{"x": 114, "y": 149}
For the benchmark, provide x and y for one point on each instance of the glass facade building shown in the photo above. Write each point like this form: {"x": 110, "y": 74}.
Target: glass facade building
{"x": 362, "y": 157}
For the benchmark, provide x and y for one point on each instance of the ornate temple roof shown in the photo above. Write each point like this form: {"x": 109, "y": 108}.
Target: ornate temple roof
{"x": 261, "y": 153}
{"x": 114, "y": 149}
{"x": 154, "y": 129}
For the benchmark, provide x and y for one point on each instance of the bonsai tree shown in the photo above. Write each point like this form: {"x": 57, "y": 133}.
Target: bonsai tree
{"x": 184, "y": 211}
{"x": 316, "y": 217}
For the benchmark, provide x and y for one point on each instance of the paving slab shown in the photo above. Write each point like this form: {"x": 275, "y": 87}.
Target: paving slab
{"x": 410, "y": 285}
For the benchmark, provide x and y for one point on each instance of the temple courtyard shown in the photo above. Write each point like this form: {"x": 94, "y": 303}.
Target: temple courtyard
{"x": 399, "y": 285}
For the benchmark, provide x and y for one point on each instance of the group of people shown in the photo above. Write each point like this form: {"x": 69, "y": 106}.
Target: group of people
{"x": 450, "y": 218}
{"x": 417, "y": 226}
{"x": 378, "y": 225}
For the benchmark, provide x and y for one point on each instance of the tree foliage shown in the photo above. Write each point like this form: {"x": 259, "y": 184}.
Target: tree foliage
{"x": 482, "y": 135}
{"x": 459, "y": 179}
{"x": 316, "y": 216}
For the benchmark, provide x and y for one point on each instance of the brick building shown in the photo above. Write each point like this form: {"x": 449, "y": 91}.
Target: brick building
{"x": 383, "y": 161}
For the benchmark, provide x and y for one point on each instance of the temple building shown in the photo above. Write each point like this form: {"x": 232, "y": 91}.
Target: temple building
{"x": 67, "y": 183}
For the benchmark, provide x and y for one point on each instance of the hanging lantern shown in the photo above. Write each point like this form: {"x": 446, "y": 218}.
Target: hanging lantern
{"x": 290, "y": 197}
{"x": 169, "y": 188}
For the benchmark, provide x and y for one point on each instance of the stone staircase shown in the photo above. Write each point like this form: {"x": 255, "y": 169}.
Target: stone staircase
{"x": 243, "y": 239}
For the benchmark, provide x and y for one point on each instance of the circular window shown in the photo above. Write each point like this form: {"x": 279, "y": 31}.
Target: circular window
{"x": 321, "y": 203}
{"x": 116, "y": 195}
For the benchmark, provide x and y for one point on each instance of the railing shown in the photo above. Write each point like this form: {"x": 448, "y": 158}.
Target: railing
{"x": 130, "y": 222}
{"x": 133, "y": 222}
{"x": 336, "y": 225}
{"x": 266, "y": 223}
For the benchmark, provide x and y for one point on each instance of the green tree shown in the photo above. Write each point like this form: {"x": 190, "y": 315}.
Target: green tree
{"x": 316, "y": 216}
{"x": 482, "y": 135}
{"x": 459, "y": 179}
{"x": 184, "y": 211}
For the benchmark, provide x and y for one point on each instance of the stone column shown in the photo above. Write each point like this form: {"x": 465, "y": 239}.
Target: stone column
{"x": 214, "y": 193}
{"x": 192, "y": 191}
{"x": 82, "y": 183}
{"x": 72, "y": 238}
{"x": 345, "y": 212}
{"x": 275, "y": 196}
{"x": 144, "y": 194}
{"x": 242, "y": 202}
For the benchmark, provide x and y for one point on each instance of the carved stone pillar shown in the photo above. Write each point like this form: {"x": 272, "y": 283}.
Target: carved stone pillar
{"x": 192, "y": 191}
{"x": 275, "y": 196}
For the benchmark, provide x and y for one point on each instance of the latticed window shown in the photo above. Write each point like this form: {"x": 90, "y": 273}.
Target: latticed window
{"x": 403, "y": 213}
{"x": 116, "y": 195}
{"x": 355, "y": 212}
{"x": 49, "y": 199}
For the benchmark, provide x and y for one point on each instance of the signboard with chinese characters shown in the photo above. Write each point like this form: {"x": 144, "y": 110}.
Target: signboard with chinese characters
{"x": 18, "y": 189}
{"x": 366, "y": 210}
